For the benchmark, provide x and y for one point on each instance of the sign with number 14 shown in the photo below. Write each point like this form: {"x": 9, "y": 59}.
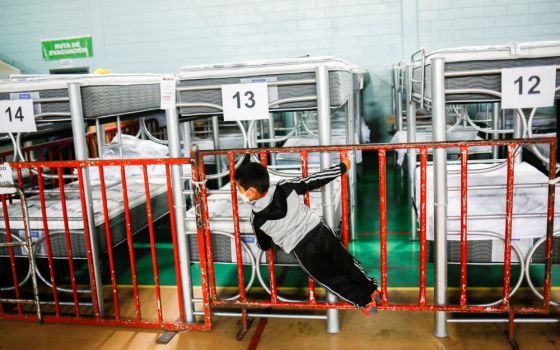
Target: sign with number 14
{"x": 528, "y": 87}
{"x": 17, "y": 116}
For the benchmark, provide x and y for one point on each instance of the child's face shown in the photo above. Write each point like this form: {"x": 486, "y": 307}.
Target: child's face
{"x": 251, "y": 194}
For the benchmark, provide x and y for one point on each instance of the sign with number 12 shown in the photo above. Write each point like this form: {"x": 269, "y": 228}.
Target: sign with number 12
{"x": 245, "y": 101}
{"x": 528, "y": 87}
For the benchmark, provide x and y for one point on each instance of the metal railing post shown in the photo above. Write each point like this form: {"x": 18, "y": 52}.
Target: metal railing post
{"x": 324, "y": 117}
{"x": 411, "y": 164}
{"x": 440, "y": 194}
{"x": 179, "y": 206}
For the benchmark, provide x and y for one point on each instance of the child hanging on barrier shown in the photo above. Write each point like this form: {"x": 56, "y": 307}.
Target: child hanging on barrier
{"x": 280, "y": 216}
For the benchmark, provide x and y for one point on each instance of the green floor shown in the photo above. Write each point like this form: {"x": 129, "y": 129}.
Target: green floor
{"x": 403, "y": 254}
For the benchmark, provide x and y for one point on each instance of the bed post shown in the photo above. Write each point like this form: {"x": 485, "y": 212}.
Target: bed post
{"x": 81, "y": 152}
{"x": 411, "y": 163}
{"x": 216, "y": 142}
{"x": 179, "y": 206}
{"x": 440, "y": 194}
{"x": 352, "y": 175}
{"x": 324, "y": 116}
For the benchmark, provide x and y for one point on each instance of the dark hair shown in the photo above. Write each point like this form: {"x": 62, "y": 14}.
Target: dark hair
{"x": 253, "y": 175}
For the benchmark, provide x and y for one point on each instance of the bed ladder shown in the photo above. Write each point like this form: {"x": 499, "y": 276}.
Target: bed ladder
{"x": 28, "y": 245}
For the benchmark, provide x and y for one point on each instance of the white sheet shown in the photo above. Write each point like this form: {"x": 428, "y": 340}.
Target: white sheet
{"x": 492, "y": 201}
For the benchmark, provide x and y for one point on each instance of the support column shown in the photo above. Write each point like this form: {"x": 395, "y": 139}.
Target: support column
{"x": 440, "y": 194}
{"x": 517, "y": 133}
{"x": 272, "y": 135}
{"x": 216, "y": 139}
{"x": 324, "y": 118}
{"x": 352, "y": 175}
{"x": 179, "y": 207}
{"x": 81, "y": 152}
{"x": 411, "y": 164}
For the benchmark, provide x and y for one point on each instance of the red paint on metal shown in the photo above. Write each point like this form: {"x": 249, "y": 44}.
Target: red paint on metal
{"x": 257, "y": 335}
{"x": 270, "y": 252}
{"x": 87, "y": 235}
{"x": 306, "y": 201}
{"x": 509, "y": 222}
{"x": 237, "y": 234}
{"x": 108, "y": 238}
{"x": 383, "y": 223}
{"x": 549, "y": 226}
{"x": 128, "y": 226}
{"x": 464, "y": 186}
{"x": 344, "y": 199}
{"x": 423, "y": 180}
{"x": 47, "y": 239}
{"x": 68, "y": 242}
{"x": 152, "y": 242}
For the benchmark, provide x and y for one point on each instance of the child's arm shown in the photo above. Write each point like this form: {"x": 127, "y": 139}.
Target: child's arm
{"x": 317, "y": 180}
{"x": 263, "y": 240}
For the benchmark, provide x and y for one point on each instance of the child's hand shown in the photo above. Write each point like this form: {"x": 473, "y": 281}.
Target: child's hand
{"x": 347, "y": 163}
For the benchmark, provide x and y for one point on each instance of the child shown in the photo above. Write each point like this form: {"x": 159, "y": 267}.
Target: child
{"x": 280, "y": 216}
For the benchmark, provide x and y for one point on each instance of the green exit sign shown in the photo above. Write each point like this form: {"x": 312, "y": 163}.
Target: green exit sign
{"x": 58, "y": 49}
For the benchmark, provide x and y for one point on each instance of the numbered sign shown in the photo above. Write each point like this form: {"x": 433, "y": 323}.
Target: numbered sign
{"x": 245, "y": 101}
{"x": 528, "y": 87}
{"x": 167, "y": 88}
{"x": 6, "y": 180}
{"x": 17, "y": 116}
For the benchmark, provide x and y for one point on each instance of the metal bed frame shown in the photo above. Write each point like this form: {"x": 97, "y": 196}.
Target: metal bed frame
{"x": 522, "y": 127}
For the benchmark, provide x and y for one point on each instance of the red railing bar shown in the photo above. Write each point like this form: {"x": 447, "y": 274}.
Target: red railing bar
{"x": 152, "y": 243}
{"x": 237, "y": 234}
{"x": 383, "y": 223}
{"x": 109, "y": 240}
{"x": 306, "y": 201}
{"x": 464, "y": 189}
{"x": 201, "y": 248}
{"x": 378, "y": 147}
{"x": 47, "y": 239}
{"x": 11, "y": 250}
{"x": 100, "y": 162}
{"x": 344, "y": 189}
{"x": 549, "y": 226}
{"x": 175, "y": 245}
{"x": 509, "y": 223}
{"x": 68, "y": 242}
{"x": 206, "y": 229}
{"x": 270, "y": 252}
{"x": 423, "y": 181}
{"x": 134, "y": 276}
{"x": 87, "y": 234}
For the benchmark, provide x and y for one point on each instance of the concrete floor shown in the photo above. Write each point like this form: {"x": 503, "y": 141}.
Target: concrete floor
{"x": 386, "y": 330}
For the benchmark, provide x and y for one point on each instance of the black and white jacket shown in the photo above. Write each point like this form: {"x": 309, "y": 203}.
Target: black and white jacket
{"x": 282, "y": 217}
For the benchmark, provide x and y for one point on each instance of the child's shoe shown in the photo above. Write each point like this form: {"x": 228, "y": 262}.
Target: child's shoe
{"x": 371, "y": 308}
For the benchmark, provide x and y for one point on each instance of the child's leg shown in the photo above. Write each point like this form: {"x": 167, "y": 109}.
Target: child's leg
{"x": 324, "y": 257}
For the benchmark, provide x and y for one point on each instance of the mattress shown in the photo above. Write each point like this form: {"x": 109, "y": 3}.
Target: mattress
{"x": 459, "y": 134}
{"x": 485, "y": 58}
{"x": 115, "y": 203}
{"x": 226, "y": 142}
{"x": 528, "y": 200}
{"x": 220, "y": 214}
{"x": 102, "y": 95}
{"x": 286, "y": 73}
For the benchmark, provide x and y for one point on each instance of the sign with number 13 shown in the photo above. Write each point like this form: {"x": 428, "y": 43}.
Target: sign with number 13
{"x": 245, "y": 101}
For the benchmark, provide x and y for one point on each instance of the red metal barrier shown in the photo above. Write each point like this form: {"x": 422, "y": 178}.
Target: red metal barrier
{"x": 71, "y": 311}
{"x": 141, "y": 184}
{"x": 246, "y": 302}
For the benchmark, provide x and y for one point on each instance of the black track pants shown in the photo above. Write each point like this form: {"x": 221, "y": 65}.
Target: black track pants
{"x": 323, "y": 256}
